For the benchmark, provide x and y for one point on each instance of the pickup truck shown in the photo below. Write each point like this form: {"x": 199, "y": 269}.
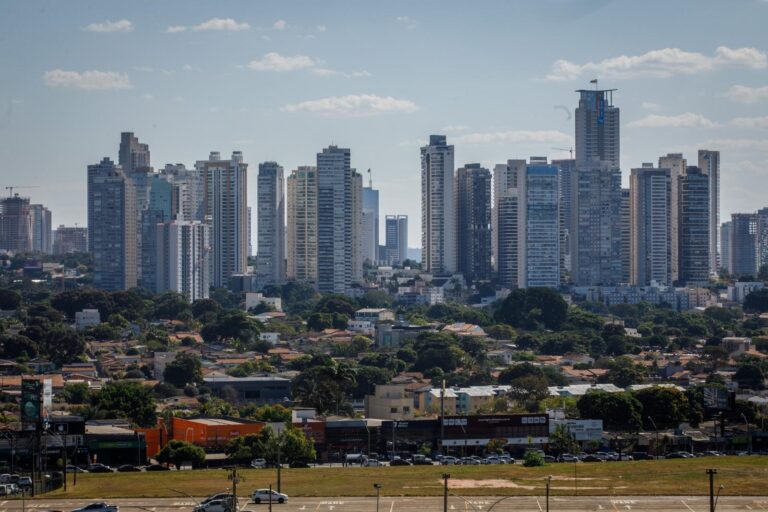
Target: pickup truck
{"x": 98, "y": 507}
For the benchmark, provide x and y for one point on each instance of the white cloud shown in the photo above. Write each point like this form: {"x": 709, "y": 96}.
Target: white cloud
{"x": 454, "y": 128}
{"x": 744, "y": 94}
{"x": 649, "y": 105}
{"x": 148, "y": 96}
{"x": 321, "y": 28}
{"x": 515, "y": 136}
{"x": 684, "y": 120}
{"x": 332, "y": 72}
{"x": 110, "y": 26}
{"x": 353, "y": 105}
{"x": 222, "y": 24}
{"x": 175, "y": 29}
{"x": 273, "y": 61}
{"x": 190, "y": 67}
{"x": 737, "y": 144}
{"x": 749, "y": 122}
{"x": 664, "y": 62}
{"x": 409, "y": 22}
{"x": 279, "y": 25}
{"x": 87, "y": 80}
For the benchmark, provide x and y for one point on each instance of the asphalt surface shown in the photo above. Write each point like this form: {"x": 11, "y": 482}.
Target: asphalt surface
{"x": 432, "y": 504}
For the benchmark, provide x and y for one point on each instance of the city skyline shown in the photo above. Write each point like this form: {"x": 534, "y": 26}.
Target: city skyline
{"x": 288, "y": 83}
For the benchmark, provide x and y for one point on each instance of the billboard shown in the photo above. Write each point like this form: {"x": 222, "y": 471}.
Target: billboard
{"x": 716, "y": 398}
{"x": 31, "y": 403}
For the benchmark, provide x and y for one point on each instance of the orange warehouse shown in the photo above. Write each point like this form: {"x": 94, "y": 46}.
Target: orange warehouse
{"x": 212, "y": 433}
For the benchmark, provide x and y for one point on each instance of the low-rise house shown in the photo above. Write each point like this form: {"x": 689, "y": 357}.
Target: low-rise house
{"x": 87, "y": 318}
{"x": 375, "y": 315}
{"x": 389, "y": 402}
{"x": 464, "y": 329}
{"x": 254, "y": 299}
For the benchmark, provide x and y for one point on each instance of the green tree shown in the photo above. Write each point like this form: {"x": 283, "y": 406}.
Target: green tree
{"x": 495, "y": 445}
{"x": 624, "y": 372}
{"x": 619, "y": 411}
{"x": 126, "y": 399}
{"x": 293, "y": 444}
{"x": 62, "y": 345}
{"x": 9, "y": 299}
{"x": 501, "y": 332}
{"x": 533, "y": 308}
{"x": 563, "y": 441}
{"x": 750, "y": 376}
{"x": 16, "y": 346}
{"x": 184, "y": 369}
{"x": 756, "y": 301}
{"x": 180, "y": 452}
{"x": 667, "y": 406}
{"x": 324, "y": 387}
{"x": 272, "y": 413}
{"x": 532, "y": 459}
{"x": 437, "y": 349}
{"x": 76, "y": 393}
{"x": 319, "y": 322}
{"x": 516, "y": 371}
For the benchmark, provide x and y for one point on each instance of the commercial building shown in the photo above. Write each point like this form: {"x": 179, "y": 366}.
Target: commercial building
{"x": 370, "y": 223}
{"x": 597, "y": 129}
{"x": 651, "y": 242}
{"x": 473, "y": 188}
{"x": 709, "y": 163}
{"x": 67, "y": 239}
{"x": 743, "y": 245}
{"x": 438, "y": 208}
{"x": 339, "y": 216}
{"x": 132, "y": 155}
{"x": 183, "y": 258}
{"x": 396, "y": 244}
{"x": 693, "y": 229}
{"x": 389, "y": 402}
{"x": 112, "y": 233}
{"x": 260, "y": 390}
{"x": 271, "y": 223}
{"x": 15, "y": 224}
{"x": 225, "y": 183}
{"x": 212, "y": 433}
{"x": 540, "y": 256}
{"x": 302, "y": 225}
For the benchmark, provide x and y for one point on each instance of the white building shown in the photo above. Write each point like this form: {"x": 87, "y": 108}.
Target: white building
{"x": 438, "y": 207}
{"x": 87, "y": 318}
{"x": 739, "y": 290}
{"x": 271, "y": 337}
{"x": 650, "y": 226}
{"x": 270, "y": 223}
{"x": 254, "y": 299}
{"x": 182, "y": 260}
{"x": 541, "y": 255}
{"x": 161, "y": 360}
{"x": 302, "y": 225}
{"x": 709, "y": 163}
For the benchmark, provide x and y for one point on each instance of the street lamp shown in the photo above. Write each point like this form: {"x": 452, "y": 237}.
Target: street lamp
{"x": 446, "y": 476}
{"x": 549, "y": 481}
{"x": 378, "y": 490}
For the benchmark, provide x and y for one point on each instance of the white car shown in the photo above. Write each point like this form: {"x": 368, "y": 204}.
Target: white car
{"x": 262, "y": 496}
{"x": 219, "y": 496}
{"x": 98, "y": 507}
{"x": 214, "y": 506}
{"x": 258, "y": 463}
{"x": 372, "y": 463}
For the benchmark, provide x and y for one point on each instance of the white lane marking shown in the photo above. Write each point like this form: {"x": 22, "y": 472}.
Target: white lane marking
{"x": 392, "y": 506}
{"x": 686, "y": 506}
{"x": 539, "y": 504}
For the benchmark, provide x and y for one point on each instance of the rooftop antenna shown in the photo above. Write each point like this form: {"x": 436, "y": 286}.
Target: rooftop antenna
{"x": 370, "y": 178}
{"x": 594, "y": 81}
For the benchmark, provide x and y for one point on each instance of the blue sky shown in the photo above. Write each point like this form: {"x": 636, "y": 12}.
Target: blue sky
{"x": 281, "y": 80}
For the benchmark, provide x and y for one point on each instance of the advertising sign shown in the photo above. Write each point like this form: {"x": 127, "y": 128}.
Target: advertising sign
{"x": 31, "y": 397}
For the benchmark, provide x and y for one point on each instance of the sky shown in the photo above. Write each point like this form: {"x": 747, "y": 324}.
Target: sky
{"x": 281, "y": 80}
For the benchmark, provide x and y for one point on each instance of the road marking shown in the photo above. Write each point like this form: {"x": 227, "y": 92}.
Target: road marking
{"x": 748, "y": 507}
{"x": 539, "y": 504}
{"x": 392, "y": 506}
{"x": 318, "y": 507}
{"x": 686, "y": 506}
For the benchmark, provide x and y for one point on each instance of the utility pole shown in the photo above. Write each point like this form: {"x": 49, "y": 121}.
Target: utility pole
{"x": 711, "y": 473}
{"x": 378, "y": 491}
{"x": 235, "y": 480}
{"x": 270, "y": 497}
{"x": 442, "y": 418}
{"x": 446, "y": 476}
{"x": 549, "y": 481}
{"x": 279, "y": 464}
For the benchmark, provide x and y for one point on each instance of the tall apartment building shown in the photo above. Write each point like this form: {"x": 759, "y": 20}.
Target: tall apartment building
{"x": 183, "y": 258}
{"x": 270, "y": 222}
{"x": 626, "y": 236}
{"x": 725, "y": 246}
{"x": 302, "y": 224}
{"x": 743, "y": 245}
{"x": 651, "y": 244}
{"x": 709, "y": 163}
{"x": 762, "y": 237}
{"x": 68, "y": 239}
{"x": 339, "y": 226}
{"x": 190, "y": 190}
{"x": 597, "y": 128}
{"x": 438, "y": 208}
{"x": 112, "y": 227}
{"x": 507, "y": 236}
{"x": 15, "y": 224}
{"x": 540, "y": 256}
{"x": 225, "y": 183}
{"x": 693, "y": 229}
{"x": 396, "y": 239}
{"x": 161, "y": 205}
{"x": 473, "y": 189}
{"x": 370, "y": 223}
{"x": 132, "y": 155}
{"x": 676, "y": 165}
{"x": 42, "y": 229}
{"x": 505, "y": 180}
{"x": 596, "y": 232}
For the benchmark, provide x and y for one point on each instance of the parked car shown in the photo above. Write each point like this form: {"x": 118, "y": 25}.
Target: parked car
{"x": 259, "y": 463}
{"x": 99, "y": 468}
{"x": 568, "y": 457}
{"x": 549, "y": 459}
{"x": 506, "y": 459}
{"x": 642, "y": 456}
{"x": 128, "y": 468}
{"x": 156, "y": 467}
{"x": 71, "y": 468}
{"x": 470, "y": 461}
{"x": 680, "y": 455}
{"x": 372, "y": 463}
{"x": 263, "y": 496}
{"x": 299, "y": 464}
{"x": 8, "y": 489}
{"x": 214, "y": 506}
{"x": 98, "y": 506}
{"x": 397, "y": 461}
{"x": 448, "y": 460}
{"x": 423, "y": 461}
{"x": 592, "y": 458}
{"x": 493, "y": 460}
{"x": 24, "y": 483}
{"x": 218, "y": 497}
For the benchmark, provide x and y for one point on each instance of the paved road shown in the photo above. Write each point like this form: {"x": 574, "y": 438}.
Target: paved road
{"x": 434, "y": 504}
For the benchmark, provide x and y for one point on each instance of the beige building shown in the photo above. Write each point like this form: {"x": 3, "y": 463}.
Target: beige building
{"x": 389, "y": 402}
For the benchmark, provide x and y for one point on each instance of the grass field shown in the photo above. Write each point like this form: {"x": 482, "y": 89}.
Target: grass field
{"x": 741, "y": 476}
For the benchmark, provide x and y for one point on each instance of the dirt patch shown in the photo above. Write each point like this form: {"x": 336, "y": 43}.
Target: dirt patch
{"x": 480, "y": 484}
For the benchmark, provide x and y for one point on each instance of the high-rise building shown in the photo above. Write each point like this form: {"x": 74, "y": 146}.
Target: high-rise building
{"x": 370, "y": 223}
{"x": 270, "y": 222}
{"x": 540, "y": 257}
{"x": 676, "y": 165}
{"x": 709, "y": 163}
{"x": 626, "y": 236}
{"x": 725, "y": 246}
{"x": 396, "y": 233}
{"x": 190, "y": 188}
{"x": 226, "y": 212}
{"x": 762, "y": 238}
{"x": 68, "y": 239}
{"x": 505, "y": 178}
{"x": 693, "y": 230}
{"x": 112, "y": 232}
{"x": 438, "y": 210}
{"x": 250, "y": 232}
{"x": 15, "y": 224}
{"x": 133, "y": 155}
{"x": 596, "y": 232}
{"x": 302, "y": 224}
{"x": 339, "y": 226}
{"x": 597, "y": 128}
{"x": 42, "y": 229}
{"x": 743, "y": 245}
{"x": 651, "y": 243}
{"x": 182, "y": 260}
{"x": 161, "y": 205}
{"x": 507, "y": 235}
{"x": 473, "y": 188}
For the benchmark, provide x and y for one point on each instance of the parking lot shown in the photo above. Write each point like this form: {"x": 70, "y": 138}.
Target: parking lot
{"x": 432, "y": 504}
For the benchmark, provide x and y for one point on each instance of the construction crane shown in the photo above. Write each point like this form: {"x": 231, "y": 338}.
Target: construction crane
{"x": 566, "y": 149}
{"x": 12, "y": 187}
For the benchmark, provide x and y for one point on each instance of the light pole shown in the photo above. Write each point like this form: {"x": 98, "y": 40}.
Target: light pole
{"x": 656, "y": 429}
{"x": 446, "y": 476}
{"x": 549, "y": 481}
{"x": 378, "y": 490}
